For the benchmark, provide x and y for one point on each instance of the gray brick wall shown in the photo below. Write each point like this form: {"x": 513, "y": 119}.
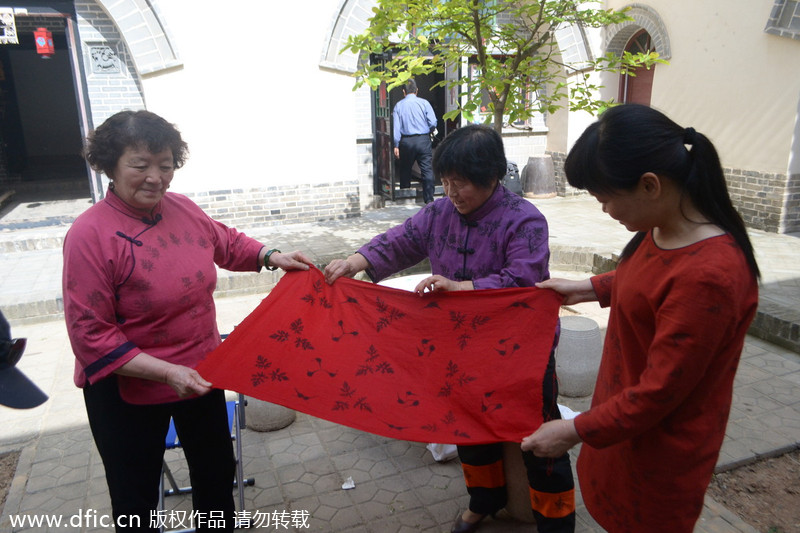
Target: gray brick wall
{"x": 364, "y": 170}
{"x": 766, "y": 201}
{"x": 759, "y": 197}
{"x": 562, "y": 187}
{"x": 272, "y": 206}
{"x": 145, "y": 32}
{"x": 644, "y": 17}
{"x": 520, "y": 146}
{"x": 791, "y": 205}
{"x": 109, "y": 92}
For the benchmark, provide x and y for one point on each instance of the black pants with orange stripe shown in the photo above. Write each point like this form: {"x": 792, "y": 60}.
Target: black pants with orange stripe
{"x": 552, "y": 487}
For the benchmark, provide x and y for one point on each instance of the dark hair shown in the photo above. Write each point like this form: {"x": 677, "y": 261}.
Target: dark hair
{"x": 139, "y": 129}
{"x": 474, "y": 153}
{"x": 410, "y": 86}
{"x": 630, "y": 140}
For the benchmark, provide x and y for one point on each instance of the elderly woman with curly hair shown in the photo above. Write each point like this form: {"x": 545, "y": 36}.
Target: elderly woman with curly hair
{"x": 138, "y": 282}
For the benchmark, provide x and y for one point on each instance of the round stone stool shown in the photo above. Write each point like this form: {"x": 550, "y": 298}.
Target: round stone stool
{"x": 266, "y": 416}
{"x": 578, "y": 356}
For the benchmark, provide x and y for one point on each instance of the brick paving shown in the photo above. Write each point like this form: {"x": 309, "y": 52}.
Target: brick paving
{"x": 301, "y": 468}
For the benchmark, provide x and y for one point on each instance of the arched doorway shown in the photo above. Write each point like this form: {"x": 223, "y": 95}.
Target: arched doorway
{"x": 636, "y": 87}
{"x": 644, "y": 32}
{"x": 48, "y": 106}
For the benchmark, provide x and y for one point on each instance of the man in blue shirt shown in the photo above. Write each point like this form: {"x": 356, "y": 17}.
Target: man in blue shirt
{"x": 414, "y": 120}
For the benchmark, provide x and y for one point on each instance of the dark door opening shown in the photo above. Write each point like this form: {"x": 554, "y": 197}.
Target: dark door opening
{"x": 387, "y": 182}
{"x": 40, "y": 133}
{"x": 435, "y": 96}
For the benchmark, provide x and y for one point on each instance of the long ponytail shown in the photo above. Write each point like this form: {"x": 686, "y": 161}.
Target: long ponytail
{"x": 708, "y": 190}
{"x": 630, "y": 140}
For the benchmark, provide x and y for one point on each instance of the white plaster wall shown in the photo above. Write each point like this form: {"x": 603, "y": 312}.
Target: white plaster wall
{"x": 251, "y": 100}
{"x": 730, "y": 80}
{"x": 566, "y": 126}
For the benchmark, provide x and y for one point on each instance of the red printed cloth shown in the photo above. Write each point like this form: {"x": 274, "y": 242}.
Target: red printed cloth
{"x": 458, "y": 367}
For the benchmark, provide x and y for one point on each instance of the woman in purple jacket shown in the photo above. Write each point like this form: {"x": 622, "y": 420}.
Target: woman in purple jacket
{"x": 481, "y": 236}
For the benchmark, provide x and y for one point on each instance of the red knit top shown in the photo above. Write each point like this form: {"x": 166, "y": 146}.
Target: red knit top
{"x": 676, "y": 328}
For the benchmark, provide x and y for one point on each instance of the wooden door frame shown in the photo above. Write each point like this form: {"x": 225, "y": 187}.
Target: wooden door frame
{"x": 642, "y": 74}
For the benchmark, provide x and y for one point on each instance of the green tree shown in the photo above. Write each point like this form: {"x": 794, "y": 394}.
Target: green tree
{"x": 512, "y": 43}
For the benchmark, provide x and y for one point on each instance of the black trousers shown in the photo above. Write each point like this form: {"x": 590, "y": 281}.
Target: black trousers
{"x": 131, "y": 442}
{"x": 552, "y": 487}
{"x": 417, "y": 148}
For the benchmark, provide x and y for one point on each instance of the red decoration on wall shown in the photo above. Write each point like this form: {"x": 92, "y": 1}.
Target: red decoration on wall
{"x": 457, "y": 367}
{"x": 44, "y": 43}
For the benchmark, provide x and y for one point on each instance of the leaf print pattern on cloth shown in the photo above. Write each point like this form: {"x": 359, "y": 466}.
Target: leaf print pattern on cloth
{"x": 511, "y": 201}
{"x": 488, "y": 228}
{"x": 95, "y": 299}
{"x": 392, "y": 362}
{"x": 316, "y": 296}
{"x": 153, "y": 281}
{"x": 299, "y": 341}
{"x": 534, "y": 238}
{"x": 469, "y": 324}
{"x": 455, "y": 378}
{"x": 266, "y": 373}
{"x": 373, "y": 364}
{"x": 349, "y": 393}
{"x": 390, "y": 314}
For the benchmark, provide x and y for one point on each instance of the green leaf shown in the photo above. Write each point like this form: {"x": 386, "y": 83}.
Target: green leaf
{"x": 515, "y": 58}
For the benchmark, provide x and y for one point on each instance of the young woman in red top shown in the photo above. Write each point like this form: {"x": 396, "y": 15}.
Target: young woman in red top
{"x": 681, "y": 301}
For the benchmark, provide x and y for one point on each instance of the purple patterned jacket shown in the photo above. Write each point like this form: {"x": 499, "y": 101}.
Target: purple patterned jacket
{"x": 504, "y": 243}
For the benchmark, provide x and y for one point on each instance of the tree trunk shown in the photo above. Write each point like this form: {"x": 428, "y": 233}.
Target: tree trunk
{"x": 497, "y": 122}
